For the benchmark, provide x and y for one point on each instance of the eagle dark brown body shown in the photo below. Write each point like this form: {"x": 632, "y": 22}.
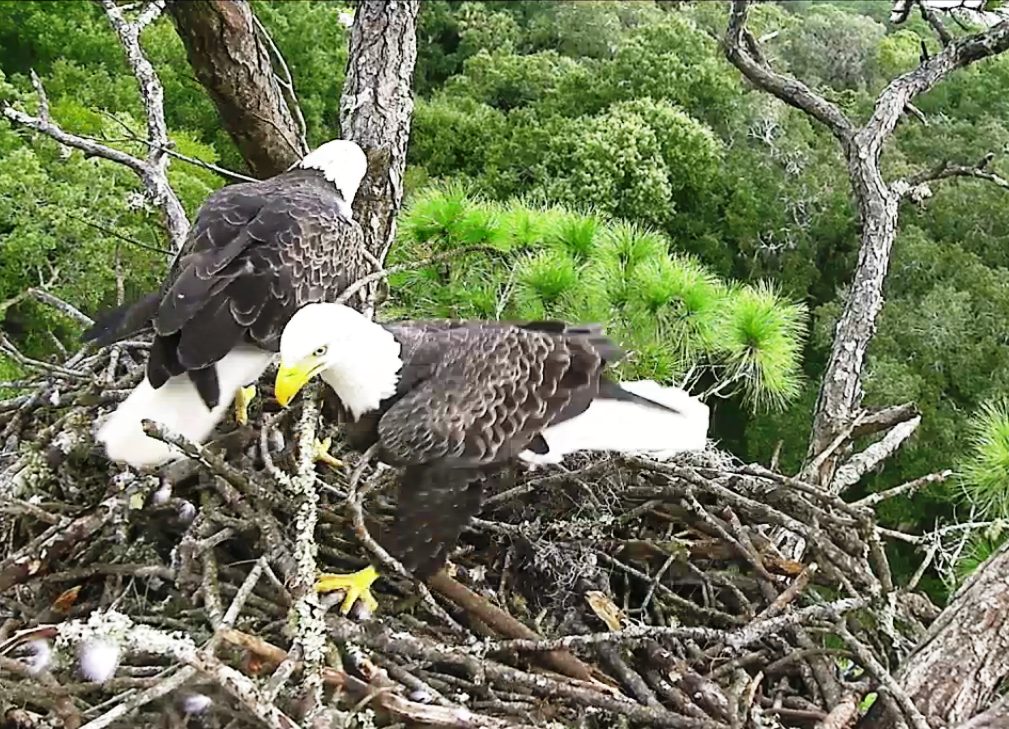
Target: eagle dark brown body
{"x": 257, "y": 252}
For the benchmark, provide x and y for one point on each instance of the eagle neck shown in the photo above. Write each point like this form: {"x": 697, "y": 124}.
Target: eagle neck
{"x": 369, "y": 373}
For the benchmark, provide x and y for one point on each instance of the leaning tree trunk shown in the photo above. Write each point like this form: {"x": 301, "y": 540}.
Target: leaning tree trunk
{"x": 376, "y": 108}
{"x": 230, "y": 55}
{"x": 955, "y": 669}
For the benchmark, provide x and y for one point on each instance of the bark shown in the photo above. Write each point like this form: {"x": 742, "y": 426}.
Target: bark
{"x": 965, "y": 655}
{"x": 963, "y": 658}
{"x": 376, "y": 108}
{"x": 232, "y": 62}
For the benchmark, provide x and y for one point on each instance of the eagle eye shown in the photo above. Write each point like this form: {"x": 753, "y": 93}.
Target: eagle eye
{"x": 320, "y": 352}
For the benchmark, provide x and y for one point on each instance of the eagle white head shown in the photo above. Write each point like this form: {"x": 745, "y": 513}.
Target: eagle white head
{"x": 342, "y": 162}
{"x": 358, "y": 358}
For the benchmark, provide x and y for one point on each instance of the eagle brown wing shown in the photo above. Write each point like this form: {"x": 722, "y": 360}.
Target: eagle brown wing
{"x": 490, "y": 391}
{"x": 256, "y": 252}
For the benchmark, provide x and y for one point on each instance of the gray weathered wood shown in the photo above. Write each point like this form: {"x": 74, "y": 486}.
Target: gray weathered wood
{"x": 376, "y": 108}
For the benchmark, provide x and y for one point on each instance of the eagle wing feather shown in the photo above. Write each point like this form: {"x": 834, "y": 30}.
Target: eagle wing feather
{"x": 494, "y": 388}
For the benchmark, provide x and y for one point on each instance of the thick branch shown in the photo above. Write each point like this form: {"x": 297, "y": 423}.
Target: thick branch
{"x": 232, "y": 63}
{"x": 155, "y": 174}
{"x": 375, "y": 111}
{"x": 742, "y": 50}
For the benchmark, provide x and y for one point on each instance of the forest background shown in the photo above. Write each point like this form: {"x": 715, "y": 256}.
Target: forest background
{"x": 619, "y": 111}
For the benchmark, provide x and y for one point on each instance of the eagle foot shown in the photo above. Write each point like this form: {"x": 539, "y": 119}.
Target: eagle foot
{"x": 243, "y": 399}
{"x": 322, "y": 453}
{"x": 357, "y": 586}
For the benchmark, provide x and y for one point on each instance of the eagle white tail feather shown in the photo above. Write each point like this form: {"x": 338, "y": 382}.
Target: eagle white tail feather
{"x": 177, "y": 406}
{"x": 628, "y": 427}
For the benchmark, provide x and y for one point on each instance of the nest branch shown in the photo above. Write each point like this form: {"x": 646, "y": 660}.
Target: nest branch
{"x": 658, "y": 601}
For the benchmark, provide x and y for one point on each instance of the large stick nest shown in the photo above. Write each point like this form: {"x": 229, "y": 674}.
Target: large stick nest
{"x": 610, "y": 592}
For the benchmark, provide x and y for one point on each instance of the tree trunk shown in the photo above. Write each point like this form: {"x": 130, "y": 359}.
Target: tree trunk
{"x": 841, "y": 390}
{"x": 375, "y": 111}
{"x": 964, "y": 657}
{"x": 232, "y": 62}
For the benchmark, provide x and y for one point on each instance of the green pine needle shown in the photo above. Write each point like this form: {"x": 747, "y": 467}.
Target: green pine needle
{"x": 433, "y": 218}
{"x": 984, "y": 473}
{"x": 625, "y": 245}
{"x": 667, "y": 310}
{"x": 761, "y": 337}
{"x": 575, "y": 234}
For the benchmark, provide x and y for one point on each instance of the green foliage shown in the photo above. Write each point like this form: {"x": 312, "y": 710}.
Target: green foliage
{"x": 670, "y": 311}
{"x": 984, "y": 472}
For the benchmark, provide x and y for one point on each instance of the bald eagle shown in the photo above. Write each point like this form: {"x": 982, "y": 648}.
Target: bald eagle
{"x": 257, "y": 252}
{"x": 453, "y": 402}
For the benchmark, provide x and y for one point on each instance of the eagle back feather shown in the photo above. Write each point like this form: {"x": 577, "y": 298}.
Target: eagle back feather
{"x": 475, "y": 394}
{"x": 256, "y": 252}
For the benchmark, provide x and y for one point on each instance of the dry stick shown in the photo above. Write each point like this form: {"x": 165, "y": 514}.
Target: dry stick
{"x": 793, "y": 591}
{"x": 540, "y": 685}
{"x": 842, "y": 715}
{"x": 905, "y": 488}
{"x": 60, "y": 305}
{"x": 139, "y": 700}
{"x": 230, "y": 484}
{"x": 394, "y": 703}
{"x": 155, "y": 174}
{"x": 716, "y": 616}
{"x": 887, "y": 681}
{"x": 497, "y": 619}
{"x": 758, "y": 629}
{"x": 545, "y": 482}
{"x": 631, "y": 636}
{"x": 307, "y": 611}
{"x": 36, "y": 559}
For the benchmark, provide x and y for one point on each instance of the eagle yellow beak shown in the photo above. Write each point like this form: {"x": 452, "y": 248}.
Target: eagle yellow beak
{"x": 290, "y": 379}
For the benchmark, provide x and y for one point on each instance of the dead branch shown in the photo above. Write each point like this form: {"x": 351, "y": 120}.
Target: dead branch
{"x": 153, "y": 169}
{"x": 841, "y": 392}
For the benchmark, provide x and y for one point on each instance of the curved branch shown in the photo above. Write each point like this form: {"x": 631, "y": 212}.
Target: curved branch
{"x": 744, "y": 52}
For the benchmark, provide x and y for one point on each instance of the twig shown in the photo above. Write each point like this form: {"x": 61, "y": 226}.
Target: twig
{"x": 505, "y": 624}
{"x": 355, "y": 504}
{"x": 153, "y": 95}
{"x": 888, "y": 683}
{"x": 286, "y": 83}
{"x": 905, "y": 488}
{"x": 307, "y": 612}
{"x": 392, "y": 702}
{"x": 413, "y": 265}
{"x": 944, "y": 171}
{"x": 756, "y": 630}
{"x": 151, "y": 171}
{"x": 937, "y": 25}
{"x": 141, "y": 699}
{"x": 631, "y": 636}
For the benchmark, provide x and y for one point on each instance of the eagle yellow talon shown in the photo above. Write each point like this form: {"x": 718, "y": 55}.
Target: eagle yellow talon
{"x": 357, "y": 586}
{"x": 243, "y": 399}
{"x": 322, "y": 453}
